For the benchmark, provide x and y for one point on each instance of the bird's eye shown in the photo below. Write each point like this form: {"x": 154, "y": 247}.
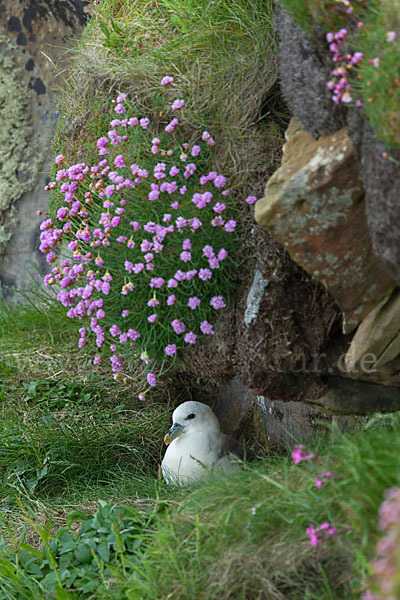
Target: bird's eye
{"x": 192, "y": 416}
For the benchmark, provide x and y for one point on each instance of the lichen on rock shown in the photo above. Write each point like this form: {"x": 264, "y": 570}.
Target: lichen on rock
{"x": 18, "y": 164}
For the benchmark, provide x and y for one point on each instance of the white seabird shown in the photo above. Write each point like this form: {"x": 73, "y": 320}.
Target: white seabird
{"x": 196, "y": 445}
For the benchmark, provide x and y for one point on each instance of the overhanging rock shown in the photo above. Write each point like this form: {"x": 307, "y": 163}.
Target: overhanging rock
{"x": 314, "y": 206}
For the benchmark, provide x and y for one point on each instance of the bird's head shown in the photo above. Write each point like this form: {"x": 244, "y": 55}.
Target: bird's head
{"x": 190, "y": 417}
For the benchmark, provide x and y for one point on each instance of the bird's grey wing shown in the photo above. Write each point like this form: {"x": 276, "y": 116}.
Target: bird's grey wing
{"x": 231, "y": 446}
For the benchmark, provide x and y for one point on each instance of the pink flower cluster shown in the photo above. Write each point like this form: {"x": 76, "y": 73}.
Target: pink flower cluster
{"x": 316, "y": 535}
{"x": 385, "y": 567}
{"x": 103, "y": 216}
{"x": 300, "y": 453}
{"x": 340, "y": 84}
{"x": 320, "y": 481}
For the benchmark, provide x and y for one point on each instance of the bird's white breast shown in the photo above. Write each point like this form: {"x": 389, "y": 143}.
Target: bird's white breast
{"x": 189, "y": 457}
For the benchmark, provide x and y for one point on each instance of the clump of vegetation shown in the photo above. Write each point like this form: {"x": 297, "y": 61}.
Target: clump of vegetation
{"x": 160, "y": 222}
{"x": 364, "y": 39}
{"x": 163, "y": 193}
{"x": 385, "y": 582}
{"x": 222, "y": 56}
{"x": 276, "y": 530}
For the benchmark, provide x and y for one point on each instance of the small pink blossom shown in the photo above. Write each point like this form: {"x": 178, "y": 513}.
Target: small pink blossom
{"x": 166, "y": 80}
{"x": 178, "y": 326}
{"x": 193, "y": 302}
{"x": 217, "y": 302}
{"x": 190, "y": 338}
{"x": 151, "y": 379}
{"x": 177, "y": 104}
{"x": 206, "y": 328}
{"x": 195, "y": 150}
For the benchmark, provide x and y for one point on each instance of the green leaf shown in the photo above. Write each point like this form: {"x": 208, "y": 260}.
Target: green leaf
{"x": 83, "y": 553}
{"x": 37, "y": 553}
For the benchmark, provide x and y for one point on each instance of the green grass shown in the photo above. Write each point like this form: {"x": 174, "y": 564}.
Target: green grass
{"x": 79, "y": 453}
{"x": 222, "y": 56}
{"x": 377, "y": 87}
{"x": 67, "y": 443}
{"x": 244, "y": 536}
{"x": 380, "y": 86}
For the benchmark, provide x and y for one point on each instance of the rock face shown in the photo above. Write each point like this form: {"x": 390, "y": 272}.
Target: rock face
{"x": 28, "y": 83}
{"x": 305, "y": 67}
{"x": 377, "y": 340}
{"x": 314, "y": 206}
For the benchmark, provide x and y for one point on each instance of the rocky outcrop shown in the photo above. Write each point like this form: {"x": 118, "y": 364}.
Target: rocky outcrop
{"x": 377, "y": 341}
{"x": 33, "y": 36}
{"x": 314, "y": 206}
{"x": 305, "y": 67}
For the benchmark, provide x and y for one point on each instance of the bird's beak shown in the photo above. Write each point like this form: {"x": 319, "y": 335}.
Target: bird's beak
{"x": 173, "y": 433}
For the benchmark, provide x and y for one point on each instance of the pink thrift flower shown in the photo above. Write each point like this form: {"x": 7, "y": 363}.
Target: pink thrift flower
{"x": 195, "y": 150}
{"x": 300, "y": 453}
{"x": 217, "y": 302}
{"x": 208, "y": 251}
{"x": 120, "y": 109}
{"x": 171, "y": 300}
{"x": 156, "y": 282}
{"x": 219, "y": 207}
{"x": 144, "y": 123}
{"x": 390, "y": 36}
{"x": 153, "y": 302}
{"x": 178, "y": 326}
{"x": 166, "y": 80}
{"x": 222, "y": 254}
{"x": 251, "y": 199}
{"x": 206, "y": 328}
{"x": 59, "y": 159}
{"x": 204, "y": 274}
{"x": 152, "y": 318}
{"x": 177, "y": 104}
{"x": 115, "y": 330}
{"x": 132, "y": 334}
{"x": 193, "y": 302}
{"x": 220, "y": 181}
{"x": 171, "y": 125}
{"x": 119, "y": 161}
{"x": 230, "y": 226}
{"x": 173, "y": 171}
{"x": 213, "y": 263}
{"x": 185, "y": 256}
{"x": 170, "y": 350}
{"x": 190, "y": 338}
{"x": 151, "y": 379}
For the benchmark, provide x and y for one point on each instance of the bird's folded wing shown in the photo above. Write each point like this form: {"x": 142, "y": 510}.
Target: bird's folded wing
{"x": 231, "y": 446}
